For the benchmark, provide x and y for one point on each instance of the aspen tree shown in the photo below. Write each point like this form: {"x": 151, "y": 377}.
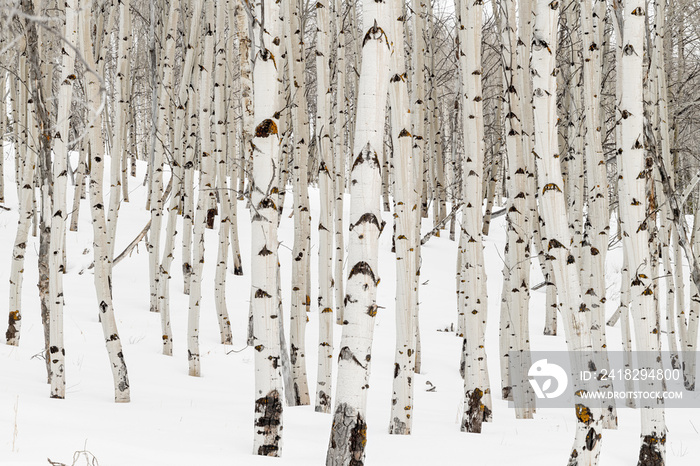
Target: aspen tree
{"x": 325, "y": 225}
{"x": 59, "y": 214}
{"x": 349, "y": 429}
{"x": 339, "y": 149}
{"x": 401, "y": 419}
{"x": 187, "y": 94}
{"x": 473, "y": 305}
{"x": 221, "y": 173}
{"x": 161, "y": 132}
{"x": 233, "y": 141}
{"x": 206, "y": 197}
{"x": 632, "y": 198}
{"x": 575, "y": 314}
{"x": 102, "y": 257}
{"x": 119, "y": 144}
{"x": 3, "y": 122}
{"x": 518, "y": 214}
{"x": 300, "y": 123}
{"x": 268, "y": 380}
{"x": 26, "y": 188}
{"x": 594, "y": 248}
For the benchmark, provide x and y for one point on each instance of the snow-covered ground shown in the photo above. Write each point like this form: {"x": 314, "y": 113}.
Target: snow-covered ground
{"x": 174, "y": 419}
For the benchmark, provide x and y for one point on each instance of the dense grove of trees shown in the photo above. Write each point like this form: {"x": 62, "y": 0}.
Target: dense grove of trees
{"x": 560, "y": 115}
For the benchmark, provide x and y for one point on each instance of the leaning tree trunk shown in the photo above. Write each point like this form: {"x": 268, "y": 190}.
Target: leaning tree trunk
{"x": 576, "y": 316}
{"x": 102, "y": 257}
{"x": 349, "y": 431}
{"x": 264, "y": 198}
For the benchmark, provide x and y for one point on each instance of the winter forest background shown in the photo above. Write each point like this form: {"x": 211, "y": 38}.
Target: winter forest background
{"x": 248, "y": 203}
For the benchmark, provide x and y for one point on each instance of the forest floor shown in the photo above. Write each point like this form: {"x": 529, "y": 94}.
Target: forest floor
{"x": 174, "y": 419}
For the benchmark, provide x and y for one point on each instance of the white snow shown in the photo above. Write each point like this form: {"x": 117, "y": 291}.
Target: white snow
{"x": 174, "y": 419}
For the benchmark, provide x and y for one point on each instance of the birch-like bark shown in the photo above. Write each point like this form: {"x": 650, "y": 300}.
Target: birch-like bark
{"x": 26, "y": 188}
{"x": 300, "y": 123}
{"x": 102, "y": 258}
{"x": 233, "y": 141}
{"x": 268, "y": 380}
{"x": 349, "y": 430}
{"x": 118, "y": 177}
{"x": 325, "y": 225}
{"x": 219, "y": 154}
{"x": 518, "y": 214}
{"x": 190, "y": 72}
{"x": 636, "y": 235}
{"x": 163, "y": 110}
{"x": 401, "y": 420}
{"x": 595, "y": 245}
{"x": 59, "y": 214}
{"x": 575, "y": 314}
{"x": 473, "y": 305}
{"x": 207, "y": 195}
{"x": 339, "y": 155}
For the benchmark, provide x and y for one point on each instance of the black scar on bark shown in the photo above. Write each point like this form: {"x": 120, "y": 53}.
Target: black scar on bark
{"x": 592, "y": 438}
{"x": 323, "y": 401}
{"x": 347, "y": 354}
{"x": 369, "y": 218}
{"x": 262, "y": 294}
{"x": 265, "y": 129}
{"x": 211, "y": 213}
{"x": 649, "y": 453}
{"x": 363, "y": 268}
{"x": 270, "y": 407}
{"x": 348, "y": 437}
{"x": 264, "y": 251}
{"x": 474, "y": 414}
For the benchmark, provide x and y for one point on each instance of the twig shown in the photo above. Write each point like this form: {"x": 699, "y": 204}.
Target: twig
{"x": 143, "y": 232}
{"x": 440, "y": 224}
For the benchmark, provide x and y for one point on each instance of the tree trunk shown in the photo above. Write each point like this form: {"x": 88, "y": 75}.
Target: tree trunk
{"x": 268, "y": 380}
{"x": 349, "y": 431}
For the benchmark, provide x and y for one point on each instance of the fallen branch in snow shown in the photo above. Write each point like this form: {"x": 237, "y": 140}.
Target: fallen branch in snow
{"x": 440, "y": 224}
{"x": 615, "y": 317}
{"x": 143, "y": 232}
{"x": 499, "y": 213}
{"x": 132, "y": 245}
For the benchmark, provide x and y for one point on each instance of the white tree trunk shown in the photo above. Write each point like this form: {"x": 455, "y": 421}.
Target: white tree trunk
{"x": 102, "y": 257}
{"x": 266, "y": 340}
{"x": 300, "y": 123}
{"x": 59, "y": 214}
{"x": 576, "y": 316}
{"x": 220, "y": 134}
{"x": 633, "y": 200}
{"x": 325, "y": 225}
{"x": 349, "y": 430}
{"x": 401, "y": 420}
{"x": 473, "y": 306}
